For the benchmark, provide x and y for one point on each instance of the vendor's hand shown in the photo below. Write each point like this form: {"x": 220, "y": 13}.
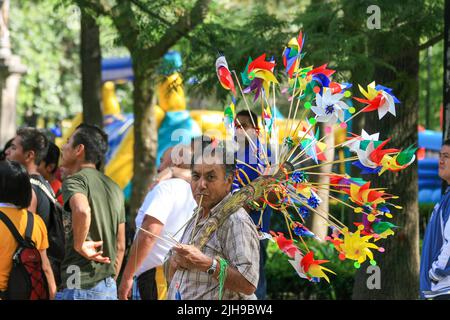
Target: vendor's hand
{"x": 89, "y": 251}
{"x": 191, "y": 258}
{"x": 125, "y": 288}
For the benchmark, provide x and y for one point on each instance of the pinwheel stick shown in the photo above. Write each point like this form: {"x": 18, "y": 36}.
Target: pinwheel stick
{"x": 319, "y": 214}
{"x": 277, "y": 145}
{"x": 357, "y": 113}
{"x": 255, "y": 148}
{"x": 170, "y": 241}
{"x": 328, "y": 162}
{"x": 245, "y": 99}
{"x": 197, "y": 213}
{"x": 293, "y": 118}
{"x": 326, "y": 149}
{"x": 249, "y": 166}
{"x": 290, "y": 106}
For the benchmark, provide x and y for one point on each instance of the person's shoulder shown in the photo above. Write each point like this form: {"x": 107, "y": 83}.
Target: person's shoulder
{"x": 77, "y": 176}
{"x": 39, "y": 224}
{"x": 173, "y": 184}
{"x": 90, "y": 175}
{"x": 240, "y": 216}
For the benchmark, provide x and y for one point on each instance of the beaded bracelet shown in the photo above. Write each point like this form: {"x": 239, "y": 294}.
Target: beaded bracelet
{"x": 222, "y": 276}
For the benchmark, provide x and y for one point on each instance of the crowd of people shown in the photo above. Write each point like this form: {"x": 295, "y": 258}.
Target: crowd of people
{"x": 62, "y": 207}
{"x": 78, "y": 209}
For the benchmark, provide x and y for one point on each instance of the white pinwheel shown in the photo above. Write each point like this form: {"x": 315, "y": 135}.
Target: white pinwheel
{"x": 329, "y": 107}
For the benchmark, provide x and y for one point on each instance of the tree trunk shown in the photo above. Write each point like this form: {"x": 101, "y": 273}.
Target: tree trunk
{"x": 318, "y": 225}
{"x": 90, "y": 54}
{"x": 145, "y": 135}
{"x": 399, "y": 265}
{"x": 446, "y": 118}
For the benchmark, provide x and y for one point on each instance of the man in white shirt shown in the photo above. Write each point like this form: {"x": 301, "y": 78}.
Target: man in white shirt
{"x": 164, "y": 213}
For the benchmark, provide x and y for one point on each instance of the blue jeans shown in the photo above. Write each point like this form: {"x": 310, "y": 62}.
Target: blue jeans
{"x": 103, "y": 290}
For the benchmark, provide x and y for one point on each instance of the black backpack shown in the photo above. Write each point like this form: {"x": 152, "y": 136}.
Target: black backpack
{"x": 56, "y": 237}
{"x": 27, "y": 280}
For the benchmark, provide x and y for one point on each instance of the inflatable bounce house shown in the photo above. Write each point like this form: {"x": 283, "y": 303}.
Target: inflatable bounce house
{"x": 170, "y": 114}
{"x": 430, "y": 185}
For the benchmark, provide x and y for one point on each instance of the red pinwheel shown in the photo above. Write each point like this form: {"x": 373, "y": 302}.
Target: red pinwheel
{"x": 224, "y": 74}
{"x": 285, "y": 245}
{"x": 377, "y": 155}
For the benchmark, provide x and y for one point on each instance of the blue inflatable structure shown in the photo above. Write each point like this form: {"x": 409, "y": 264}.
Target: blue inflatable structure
{"x": 429, "y": 182}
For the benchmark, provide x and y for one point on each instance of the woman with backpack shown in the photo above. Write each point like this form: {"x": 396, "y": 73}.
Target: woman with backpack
{"x": 25, "y": 271}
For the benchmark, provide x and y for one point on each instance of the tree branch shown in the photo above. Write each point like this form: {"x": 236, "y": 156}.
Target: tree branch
{"x": 164, "y": 21}
{"x": 125, "y": 21}
{"x": 180, "y": 29}
{"x": 121, "y": 15}
{"x": 431, "y": 41}
{"x": 96, "y": 6}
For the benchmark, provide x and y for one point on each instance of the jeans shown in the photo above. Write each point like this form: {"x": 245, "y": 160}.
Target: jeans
{"x": 442, "y": 297}
{"x": 105, "y": 289}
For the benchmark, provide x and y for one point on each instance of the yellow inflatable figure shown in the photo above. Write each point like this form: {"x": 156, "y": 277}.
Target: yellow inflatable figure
{"x": 171, "y": 94}
{"x": 111, "y": 104}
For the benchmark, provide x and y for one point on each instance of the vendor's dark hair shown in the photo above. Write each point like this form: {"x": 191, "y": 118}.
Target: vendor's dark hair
{"x": 249, "y": 114}
{"x": 94, "y": 140}
{"x": 33, "y": 139}
{"x": 446, "y": 142}
{"x": 15, "y": 186}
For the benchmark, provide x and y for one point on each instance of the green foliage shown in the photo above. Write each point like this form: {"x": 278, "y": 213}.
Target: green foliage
{"x": 433, "y": 81}
{"x": 46, "y": 38}
{"x": 336, "y": 33}
{"x": 284, "y": 283}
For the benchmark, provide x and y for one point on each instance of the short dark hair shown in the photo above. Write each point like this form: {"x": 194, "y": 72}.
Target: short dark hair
{"x": 33, "y": 139}
{"x": 218, "y": 148}
{"x": 446, "y": 142}
{"x": 249, "y": 114}
{"x": 94, "y": 140}
{"x": 3, "y": 152}
{"x": 52, "y": 156}
{"x": 15, "y": 186}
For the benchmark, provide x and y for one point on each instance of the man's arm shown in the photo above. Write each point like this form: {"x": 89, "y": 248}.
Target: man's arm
{"x": 440, "y": 267}
{"x": 191, "y": 258}
{"x": 81, "y": 221}
{"x": 33, "y": 203}
{"x": 120, "y": 248}
{"x": 141, "y": 247}
{"x": 46, "y": 267}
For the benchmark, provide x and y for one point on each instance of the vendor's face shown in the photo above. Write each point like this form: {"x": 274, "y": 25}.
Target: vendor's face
{"x": 209, "y": 181}
{"x": 444, "y": 163}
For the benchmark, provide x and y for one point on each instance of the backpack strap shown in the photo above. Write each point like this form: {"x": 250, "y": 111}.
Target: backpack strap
{"x": 10, "y": 225}
{"x": 50, "y": 194}
{"x": 29, "y": 228}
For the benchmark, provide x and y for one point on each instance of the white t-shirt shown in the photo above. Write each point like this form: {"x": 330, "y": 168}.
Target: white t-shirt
{"x": 172, "y": 203}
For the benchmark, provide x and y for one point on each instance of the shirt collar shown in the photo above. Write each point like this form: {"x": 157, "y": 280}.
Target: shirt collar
{"x": 8, "y": 205}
